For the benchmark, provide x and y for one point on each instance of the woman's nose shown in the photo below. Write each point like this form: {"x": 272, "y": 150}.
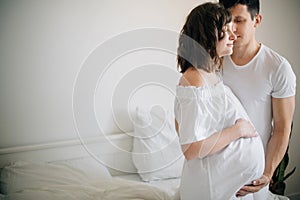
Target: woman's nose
{"x": 232, "y": 36}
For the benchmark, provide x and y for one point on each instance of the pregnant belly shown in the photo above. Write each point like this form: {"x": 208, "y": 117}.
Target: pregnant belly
{"x": 244, "y": 156}
{"x": 224, "y": 173}
{"x": 248, "y": 151}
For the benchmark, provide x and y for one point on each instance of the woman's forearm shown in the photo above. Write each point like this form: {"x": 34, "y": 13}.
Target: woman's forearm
{"x": 210, "y": 145}
{"x": 218, "y": 141}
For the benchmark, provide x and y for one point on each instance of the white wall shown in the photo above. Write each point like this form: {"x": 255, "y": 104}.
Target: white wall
{"x": 43, "y": 46}
{"x": 46, "y": 48}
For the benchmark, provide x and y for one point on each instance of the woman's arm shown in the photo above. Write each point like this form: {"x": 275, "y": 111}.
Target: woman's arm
{"x": 219, "y": 140}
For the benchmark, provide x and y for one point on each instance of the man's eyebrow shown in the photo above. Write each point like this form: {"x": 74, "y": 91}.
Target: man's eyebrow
{"x": 239, "y": 17}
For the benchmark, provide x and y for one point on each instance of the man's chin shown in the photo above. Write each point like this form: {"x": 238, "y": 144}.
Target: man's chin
{"x": 236, "y": 44}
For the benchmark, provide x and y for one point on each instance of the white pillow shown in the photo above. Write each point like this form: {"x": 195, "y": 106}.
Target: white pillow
{"x": 156, "y": 150}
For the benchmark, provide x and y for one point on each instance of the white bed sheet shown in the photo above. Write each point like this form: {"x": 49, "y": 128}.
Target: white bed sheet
{"x": 170, "y": 186}
{"x": 108, "y": 190}
{"x": 27, "y": 181}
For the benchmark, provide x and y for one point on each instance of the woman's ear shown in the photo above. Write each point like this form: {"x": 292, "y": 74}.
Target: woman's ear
{"x": 257, "y": 18}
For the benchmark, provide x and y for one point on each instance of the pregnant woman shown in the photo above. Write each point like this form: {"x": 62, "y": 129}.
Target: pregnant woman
{"x": 222, "y": 149}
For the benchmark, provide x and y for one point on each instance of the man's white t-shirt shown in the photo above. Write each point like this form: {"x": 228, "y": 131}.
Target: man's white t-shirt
{"x": 267, "y": 75}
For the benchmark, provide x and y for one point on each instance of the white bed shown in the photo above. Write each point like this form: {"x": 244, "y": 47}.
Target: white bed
{"x": 170, "y": 186}
{"x": 70, "y": 170}
{"x": 103, "y": 167}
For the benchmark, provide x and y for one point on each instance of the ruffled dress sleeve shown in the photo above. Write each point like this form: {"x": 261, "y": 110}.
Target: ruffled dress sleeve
{"x": 196, "y": 113}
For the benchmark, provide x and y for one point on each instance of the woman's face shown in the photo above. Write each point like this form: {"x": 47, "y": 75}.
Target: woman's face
{"x": 225, "y": 45}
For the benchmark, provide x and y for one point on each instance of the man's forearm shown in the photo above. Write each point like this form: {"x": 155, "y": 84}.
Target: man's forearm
{"x": 283, "y": 112}
{"x": 275, "y": 151}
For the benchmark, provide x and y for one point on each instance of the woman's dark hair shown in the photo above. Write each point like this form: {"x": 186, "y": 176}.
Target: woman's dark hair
{"x": 252, "y": 5}
{"x": 198, "y": 38}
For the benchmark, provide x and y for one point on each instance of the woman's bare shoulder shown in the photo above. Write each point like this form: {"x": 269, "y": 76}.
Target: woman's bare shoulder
{"x": 192, "y": 77}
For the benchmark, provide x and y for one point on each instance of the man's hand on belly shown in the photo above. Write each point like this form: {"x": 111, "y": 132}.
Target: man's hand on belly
{"x": 256, "y": 185}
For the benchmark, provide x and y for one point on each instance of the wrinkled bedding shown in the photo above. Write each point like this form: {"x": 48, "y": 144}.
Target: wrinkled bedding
{"x": 27, "y": 181}
{"x": 170, "y": 186}
{"x": 114, "y": 189}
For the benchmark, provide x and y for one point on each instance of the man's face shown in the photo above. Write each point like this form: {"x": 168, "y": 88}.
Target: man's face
{"x": 243, "y": 25}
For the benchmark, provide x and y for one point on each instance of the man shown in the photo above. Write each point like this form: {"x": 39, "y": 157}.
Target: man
{"x": 265, "y": 84}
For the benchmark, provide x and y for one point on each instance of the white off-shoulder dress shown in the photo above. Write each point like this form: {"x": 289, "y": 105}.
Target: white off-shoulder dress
{"x": 201, "y": 112}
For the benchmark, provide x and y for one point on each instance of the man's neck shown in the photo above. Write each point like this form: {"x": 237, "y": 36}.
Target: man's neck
{"x": 244, "y": 54}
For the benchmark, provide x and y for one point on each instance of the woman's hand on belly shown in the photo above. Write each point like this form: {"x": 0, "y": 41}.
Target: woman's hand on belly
{"x": 245, "y": 129}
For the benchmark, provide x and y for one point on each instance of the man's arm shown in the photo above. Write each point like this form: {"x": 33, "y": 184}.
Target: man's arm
{"x": 283, "y": 112}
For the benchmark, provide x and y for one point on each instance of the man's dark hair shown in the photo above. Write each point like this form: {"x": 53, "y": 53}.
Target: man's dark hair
{"x": 252, "y": 5}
